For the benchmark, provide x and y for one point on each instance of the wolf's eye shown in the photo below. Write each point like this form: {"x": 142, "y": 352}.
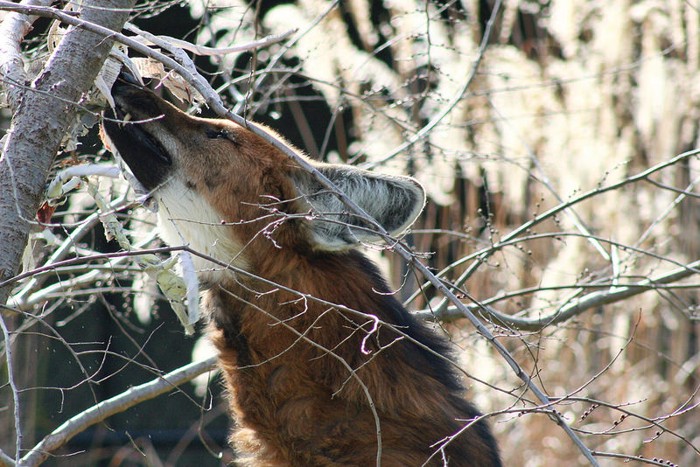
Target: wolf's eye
{"x": 217, "y": 133}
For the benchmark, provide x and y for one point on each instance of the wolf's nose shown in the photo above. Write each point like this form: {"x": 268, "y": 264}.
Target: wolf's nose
{"x": 126, "y": 80}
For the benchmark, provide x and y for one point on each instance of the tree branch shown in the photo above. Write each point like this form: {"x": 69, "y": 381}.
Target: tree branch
{"x": 12, "y": 31}
{"x": 13, "y": 387}
{"x": 571, "y": 308}
{"x": 527, "y": 226}
{"x": 184, "y": 66}
{"x": 119, "y": 403}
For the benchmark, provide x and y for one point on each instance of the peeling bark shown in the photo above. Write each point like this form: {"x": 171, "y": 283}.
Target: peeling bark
{"x": 12, "y": 31}
{"x": 42, "y": 116}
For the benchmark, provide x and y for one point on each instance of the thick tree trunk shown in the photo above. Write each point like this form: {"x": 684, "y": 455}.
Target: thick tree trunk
{"x": 43, "y": 113}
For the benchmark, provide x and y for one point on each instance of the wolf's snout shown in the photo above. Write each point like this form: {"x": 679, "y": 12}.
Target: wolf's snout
{"x": 132, "y": 128}
{"x": 135, "y": 102}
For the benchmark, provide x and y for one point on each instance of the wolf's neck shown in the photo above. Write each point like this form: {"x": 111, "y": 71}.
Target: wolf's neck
{"x": 333, "y": 321}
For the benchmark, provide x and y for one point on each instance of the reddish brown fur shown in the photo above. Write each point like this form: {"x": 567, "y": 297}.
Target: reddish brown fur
{"x": 286, "y": 357}
{"x": 290, "y": 382}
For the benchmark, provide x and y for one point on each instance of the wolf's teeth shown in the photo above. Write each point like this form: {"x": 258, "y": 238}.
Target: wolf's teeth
{"x": 127, "y": 118}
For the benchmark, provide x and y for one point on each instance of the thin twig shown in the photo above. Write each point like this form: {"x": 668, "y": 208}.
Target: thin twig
{"x": 544, "y": 180}
{"x": 64, "y": 249}
{"x": 80, "y": 260}
{"x": 627, "y": 458}
{"x": 452, "y": 103}
{"x": 13, "y": 387}
{"x": 5, "y": 460}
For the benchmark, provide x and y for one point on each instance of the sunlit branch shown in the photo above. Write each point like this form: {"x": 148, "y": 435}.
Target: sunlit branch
{"x": 119, "y": 403}
{"x": 571, "y": 308}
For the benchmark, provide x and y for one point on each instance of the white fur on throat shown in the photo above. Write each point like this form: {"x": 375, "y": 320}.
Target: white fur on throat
{"x": 185, "y": 218}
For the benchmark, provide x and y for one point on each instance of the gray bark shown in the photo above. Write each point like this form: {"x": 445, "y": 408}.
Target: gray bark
{"x": 43, "y": 111}
{"x": 39, "y": 124}
{"x": 13, "y": 28}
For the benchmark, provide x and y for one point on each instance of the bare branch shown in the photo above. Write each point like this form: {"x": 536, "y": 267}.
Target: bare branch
{"x": 119, "y": 403}
{"x": 612, "y": 290}
{"x": 214, "y": 51}
{"x": 38, "y": 127}
{"x": 527, "y": 226}
{"x": 186, "y": 69}
{"x": 13, "y": 386}
{"x": 36, "y": 279}
{"x": 6, "y": 460}
{"x": 572, "y": 308}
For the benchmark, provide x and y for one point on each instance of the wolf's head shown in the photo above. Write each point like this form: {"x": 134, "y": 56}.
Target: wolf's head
{"x": 220, "y": 186}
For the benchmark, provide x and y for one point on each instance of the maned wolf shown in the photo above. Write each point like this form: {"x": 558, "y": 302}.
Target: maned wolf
{"x": 322, "y": 364}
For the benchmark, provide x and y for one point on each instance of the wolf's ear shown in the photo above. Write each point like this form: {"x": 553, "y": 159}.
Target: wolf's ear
{"x": 393, "y": 201}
